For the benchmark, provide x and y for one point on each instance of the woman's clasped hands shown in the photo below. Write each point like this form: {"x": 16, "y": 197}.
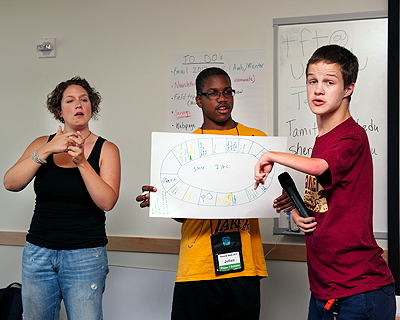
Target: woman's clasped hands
{"x": 71, "y": 143}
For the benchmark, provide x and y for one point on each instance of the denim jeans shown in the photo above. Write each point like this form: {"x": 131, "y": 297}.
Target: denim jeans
{"x": 372, "y": 305}
{"x": 76, "y": 276}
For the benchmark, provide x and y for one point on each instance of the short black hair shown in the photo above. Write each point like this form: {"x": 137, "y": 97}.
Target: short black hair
{"x": 205, "y": 74}
{"x": 334, "y": 53}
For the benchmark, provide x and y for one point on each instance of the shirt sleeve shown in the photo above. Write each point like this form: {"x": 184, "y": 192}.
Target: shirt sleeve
{"x": 340, "y": 157}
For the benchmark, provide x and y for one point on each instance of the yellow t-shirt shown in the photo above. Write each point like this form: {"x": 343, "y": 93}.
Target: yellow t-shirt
{"x": 195, "y": 257}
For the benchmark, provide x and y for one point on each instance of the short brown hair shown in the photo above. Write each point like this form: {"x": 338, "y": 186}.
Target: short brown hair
{"x": 53, "y": 103}
{"x": 333, "y": 53}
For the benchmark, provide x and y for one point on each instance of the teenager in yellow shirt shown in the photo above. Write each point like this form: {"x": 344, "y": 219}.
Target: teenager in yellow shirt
{"x": 201, "y": 292}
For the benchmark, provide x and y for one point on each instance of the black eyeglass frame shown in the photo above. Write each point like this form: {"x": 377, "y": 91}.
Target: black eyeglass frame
{"x": 227, "y": 94}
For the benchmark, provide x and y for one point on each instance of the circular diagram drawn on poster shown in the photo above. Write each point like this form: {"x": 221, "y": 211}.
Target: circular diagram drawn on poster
{"x": 198, "y": 171}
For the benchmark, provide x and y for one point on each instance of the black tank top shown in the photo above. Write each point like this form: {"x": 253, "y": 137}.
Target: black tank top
{"x": 65, "y": 216}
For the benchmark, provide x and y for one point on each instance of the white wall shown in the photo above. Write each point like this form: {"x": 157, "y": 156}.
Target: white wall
{"x": 122, "y": 48}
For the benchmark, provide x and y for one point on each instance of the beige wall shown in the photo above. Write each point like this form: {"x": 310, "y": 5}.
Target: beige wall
{"x": 122, "y": 48}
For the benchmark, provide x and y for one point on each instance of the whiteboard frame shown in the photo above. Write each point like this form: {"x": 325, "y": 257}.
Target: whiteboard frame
{"x": 393, "y": 141}
{"x": 279, "y": 22}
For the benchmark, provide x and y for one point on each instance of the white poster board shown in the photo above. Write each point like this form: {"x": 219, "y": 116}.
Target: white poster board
{"x": 211, "y": 176}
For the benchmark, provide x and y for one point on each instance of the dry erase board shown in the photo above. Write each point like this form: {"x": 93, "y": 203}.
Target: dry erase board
{"x": 366, "y": 36}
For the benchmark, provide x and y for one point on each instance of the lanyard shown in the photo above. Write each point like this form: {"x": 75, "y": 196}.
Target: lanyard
{"x": 237, "y": 131}
{"x": 211, "y": 229}
{"x": 227, "y": 246}
{"x": 233, "y": 122}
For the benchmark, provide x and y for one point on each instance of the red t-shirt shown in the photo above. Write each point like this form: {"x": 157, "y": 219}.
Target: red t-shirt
{"x": 342, "y": 255}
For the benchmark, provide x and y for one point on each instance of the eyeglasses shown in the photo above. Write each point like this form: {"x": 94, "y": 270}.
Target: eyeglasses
{"x": 216, "y": 94}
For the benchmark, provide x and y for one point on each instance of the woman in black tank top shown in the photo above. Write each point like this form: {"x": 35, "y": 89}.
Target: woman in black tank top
{"x": 77, "y": 179}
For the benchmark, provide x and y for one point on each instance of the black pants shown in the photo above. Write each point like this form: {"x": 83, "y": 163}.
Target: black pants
{"x": 224, "y": 299}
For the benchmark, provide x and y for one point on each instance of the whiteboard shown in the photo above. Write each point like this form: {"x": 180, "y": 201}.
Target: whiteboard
{"x": 366, "y": 36}
{"x": 247, "y": 70}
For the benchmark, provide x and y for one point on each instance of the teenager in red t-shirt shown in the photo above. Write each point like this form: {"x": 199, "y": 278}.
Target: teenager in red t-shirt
{"x": 348, "y": 276}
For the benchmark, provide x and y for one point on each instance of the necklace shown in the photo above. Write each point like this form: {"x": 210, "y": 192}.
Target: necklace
{"x": 233, "y": 122}
{"x": 90, "y": 132}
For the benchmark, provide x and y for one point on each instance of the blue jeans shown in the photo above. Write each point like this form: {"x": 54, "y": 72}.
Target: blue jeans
{"x": 372, "y": 305}
{"x": 76, "y": 276}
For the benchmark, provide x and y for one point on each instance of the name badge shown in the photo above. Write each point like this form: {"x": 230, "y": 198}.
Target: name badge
{"x": 227, "y": 252}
